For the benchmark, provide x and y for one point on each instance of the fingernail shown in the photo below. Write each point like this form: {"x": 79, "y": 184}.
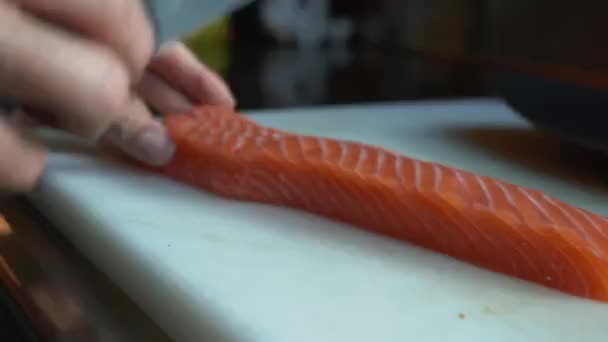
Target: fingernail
{"x": 153, "y": 146}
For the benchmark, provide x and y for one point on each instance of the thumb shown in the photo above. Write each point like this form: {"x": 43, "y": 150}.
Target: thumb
{"x": 139, "y": 135}
{"x": 132, "y": 131}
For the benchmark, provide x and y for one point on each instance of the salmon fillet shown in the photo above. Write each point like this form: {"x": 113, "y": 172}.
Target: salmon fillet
{"x": 486, "y": 222}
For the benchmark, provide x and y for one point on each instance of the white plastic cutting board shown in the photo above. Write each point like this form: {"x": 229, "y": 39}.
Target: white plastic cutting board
{"x": 210, "y": 269}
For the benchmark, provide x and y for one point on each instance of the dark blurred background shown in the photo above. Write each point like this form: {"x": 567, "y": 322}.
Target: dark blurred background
{"x": 279, "y": 53}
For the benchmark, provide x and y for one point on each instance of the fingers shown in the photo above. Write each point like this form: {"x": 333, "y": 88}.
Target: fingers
{"x": 161, "y": 96}
{"x": 137, "y": 135}
{"x": 22, "y": 161}
{"x": 84, "y": 76}
{"x": 180, "y": 68}
{"x": 80, "y": 81}
{"x": 140, "y": 136}
{"x": 121, "y": 24}
{"x": 84, "y": 85}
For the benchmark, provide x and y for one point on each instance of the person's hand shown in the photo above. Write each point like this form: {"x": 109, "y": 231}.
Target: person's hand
{"x": 87, "y": 67}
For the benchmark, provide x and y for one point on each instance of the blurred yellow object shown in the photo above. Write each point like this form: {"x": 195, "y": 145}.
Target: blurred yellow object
{"x": 210, "y": 44}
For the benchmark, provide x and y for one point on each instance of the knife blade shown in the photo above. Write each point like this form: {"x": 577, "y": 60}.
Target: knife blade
{"x": 174, "y": 19}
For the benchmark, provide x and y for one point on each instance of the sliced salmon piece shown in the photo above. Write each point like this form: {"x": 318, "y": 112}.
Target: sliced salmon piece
{"x": 493, "y": 224}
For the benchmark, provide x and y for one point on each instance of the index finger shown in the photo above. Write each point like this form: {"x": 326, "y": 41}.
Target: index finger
{"x": 121, "y": 24}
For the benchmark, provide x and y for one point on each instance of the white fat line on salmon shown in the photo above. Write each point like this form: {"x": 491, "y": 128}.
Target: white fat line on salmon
{"x": 380, "y": 158}
{"x": 462, "y": 182}
{"x": 399, "y": 170}
{"x": 232, "y": 129}
{"x": 210, "y": 132}
{"x": 438, "y": 175}
{"x": 323, "y": 146}
{"x": 283, "y": 148}
{"x": 505, "y": 191}
{"x": 241, "y": 140}
{"x": 300, "y": 141}
{"x": 486, "y": 193}
{"x": 361, "y": 158}
{"x": 259, "y": 141}
{"x": 343, "y": 153}
{"x": 417, "y": 175}
{"x": 573, "y": 222}
{"x": 285, "y": 187}
{"x": 592, "y": 222}
{"x": 539, "y": 207}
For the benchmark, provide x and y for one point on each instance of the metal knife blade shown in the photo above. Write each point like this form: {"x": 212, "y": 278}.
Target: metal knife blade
{"x": 174, "y": 19}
